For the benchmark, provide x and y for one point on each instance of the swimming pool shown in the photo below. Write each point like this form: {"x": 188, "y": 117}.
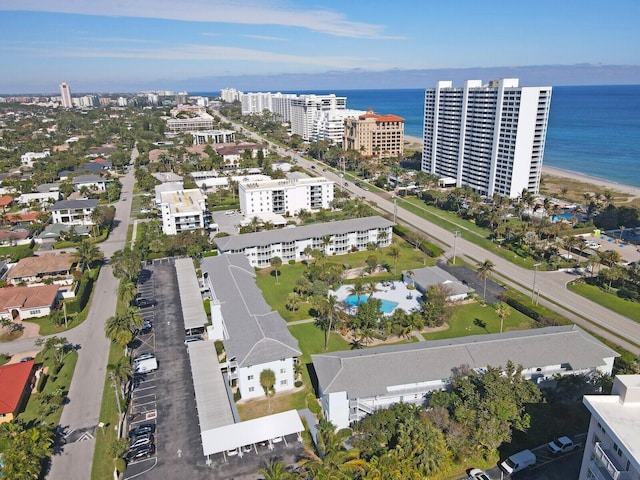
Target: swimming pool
{"x": 387, "y": 305}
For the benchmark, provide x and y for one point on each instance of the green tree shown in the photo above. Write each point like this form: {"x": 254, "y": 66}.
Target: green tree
{"x": 276, "y": 263}
{"x": 394, "y": 251}
{"x": 503, "y": 311}
{"x": 484, "y": 272}
{"x": 328, "y": 315}
{"x": 118, "y": 448}
{"x": 57, "y": 346}
{"x": 293, "y": 301}
{"x": 358, "y": 290}
{"x": 276, "y": 470}
{"x": 268, "y": 381}
{"x": 87, "y": 252}
{"x": 121, "y": 372}
{"x": 25, "y": 450}
{"x": 436, "y": 307}
{"x": 127, "y": 291}
{"x": 126, "y": 264}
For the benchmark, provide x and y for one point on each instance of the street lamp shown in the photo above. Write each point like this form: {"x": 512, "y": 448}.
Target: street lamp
{"x": 533, "y": 287}
{"x": 456, "y": 234}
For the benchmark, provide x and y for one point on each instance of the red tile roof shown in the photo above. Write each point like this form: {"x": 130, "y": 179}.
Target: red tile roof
{"x": 45, "y": 264}
{"x": 382, "y": 118}
{"x": 27, "y": 297}
{"x": 5, "y": 200}
{"x": 13, "y": 379}
{"x": 7, "y": 235}
{"x": 23, "y": 217}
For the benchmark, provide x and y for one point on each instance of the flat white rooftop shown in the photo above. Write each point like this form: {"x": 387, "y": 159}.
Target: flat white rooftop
{"x": 183, "y": 201}
{"x": 285, "y": 183}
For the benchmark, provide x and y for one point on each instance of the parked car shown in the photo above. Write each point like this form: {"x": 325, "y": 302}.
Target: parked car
{"x": 562, "y": 445}
{"x": 144, "y": 302}
{"x": 145, "y": 366}
{"x": 192, "y": 338}
{"x": 146, "y": 328}
{"x": 518, "y": 461}
{"x": 142, "y": 430}
{"x": 141, "y": 451}
{"x": 143, "y": 356}
{"x": 141, "y": 440}
{"x": 477, "y": 474}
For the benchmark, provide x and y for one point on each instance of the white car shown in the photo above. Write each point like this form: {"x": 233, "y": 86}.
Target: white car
{"x": 477, "y": 474}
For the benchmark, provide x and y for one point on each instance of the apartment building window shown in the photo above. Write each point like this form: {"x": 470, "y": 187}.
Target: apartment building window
{"x": 283, "y": 383}
{"x": 251, "y": 389}
{"x": 250, "y": 377}
{"x": 283, "y": 370}
{"x": 617, "y": 449}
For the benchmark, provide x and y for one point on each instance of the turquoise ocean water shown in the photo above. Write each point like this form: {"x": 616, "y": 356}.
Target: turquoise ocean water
{"x": 593, "y": 130}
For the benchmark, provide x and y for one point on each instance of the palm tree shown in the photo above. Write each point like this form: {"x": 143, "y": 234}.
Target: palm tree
{"x": 485, "y": 270}
{"x": 326, "y": 241}
{"x": 328, "y": 310}
{"x": 358, "y": 290}
{"x": 121, "y": 372}
{"x": 87, "y": 252}
{"x": 382, "y": 237}
{"x": 276, "y": 470}
{"x": 394, "y": 251}
{"x": 127, "y": 291}
{"x": 276, "y": 263}
{"x": 371, "y": 287}
{"x": 503, "y": 311}
{"x": 268, "y": 381}
{"x": 117, "y": 329}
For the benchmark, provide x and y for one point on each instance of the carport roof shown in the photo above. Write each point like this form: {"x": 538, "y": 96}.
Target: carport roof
{"x": 252, "y": 431}
{"x": 190, "y": 298}
{"x": 211, "y": 394}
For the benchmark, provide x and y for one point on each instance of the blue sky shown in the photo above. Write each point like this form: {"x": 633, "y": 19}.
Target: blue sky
{"x": 128, "y": 45}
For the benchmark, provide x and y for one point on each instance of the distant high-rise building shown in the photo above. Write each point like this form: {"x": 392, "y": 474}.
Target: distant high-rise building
{"x": 65, "y": 93}
{"x": 489, "y": 137}
{"x": 374, "y": 135}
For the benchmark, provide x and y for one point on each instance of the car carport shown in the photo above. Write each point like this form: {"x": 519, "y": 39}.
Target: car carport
{"x": 190, "y": 296}
{"x": 264, "y": 429}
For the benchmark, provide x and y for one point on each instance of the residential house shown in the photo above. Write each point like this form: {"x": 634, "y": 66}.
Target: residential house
{"x": 37, "y": 269}
{"x": 255, "y": 337}
{"x": 74, "y": 212}
{"x": 5, "y": 201}
{"x": 333, "y": 238}
{"x": 42, "y": 198}
{"x": 91, "y": 182}
{"x": 355, "y": 383}
{"x": 15, "y": 385}
{"x": 27, "y": 159}
{"x": 22, "y": 303}
{"x": 612, "y": 448}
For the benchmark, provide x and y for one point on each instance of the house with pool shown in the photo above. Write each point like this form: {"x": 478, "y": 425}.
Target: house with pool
{"x": 355, "y": 383}
{"x": 425, "y": 277}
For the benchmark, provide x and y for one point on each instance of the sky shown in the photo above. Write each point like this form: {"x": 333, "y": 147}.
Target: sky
{"x": 205, "y": 45}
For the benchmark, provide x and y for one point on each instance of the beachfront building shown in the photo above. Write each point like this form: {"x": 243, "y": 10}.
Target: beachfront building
{"x": 65, "y": 95}
{"x": 285, "y": 197}
{"x": 328, "y": 125}
{"x": 189, "y": 117}
{"x": 612, "y": 448}
{"x": 490, "y": 137}
{"x": 255, "y": 337}
{"x": 230, "y": 95}
{"x": 348, "y": 391}
{"x": 74, "y": 212}
{"x": 305, "y": 107}
{"x": 332, "y": 238}
{"x": 374, "y": 135}
{"x": 181, "y": 210}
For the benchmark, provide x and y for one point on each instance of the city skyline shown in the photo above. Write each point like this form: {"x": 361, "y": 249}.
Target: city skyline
{"x": 199, "y": 45}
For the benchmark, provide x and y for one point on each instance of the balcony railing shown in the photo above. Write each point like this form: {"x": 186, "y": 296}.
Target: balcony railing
{"x": 604, "y": 466}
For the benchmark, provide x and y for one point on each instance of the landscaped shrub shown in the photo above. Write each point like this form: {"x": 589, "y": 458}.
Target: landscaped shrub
{"x": 237, "y": 396}
{"x": 292, "y": 262}
{"x": 82, "y": 295}
{"x": 313, "y": 405}
{"x": 524, "y": 309}
{"x": 628, "y": 294}
{"x": 219, "y": 347}
{"x": 297, "y": 383}
{"x": 431, "y": 249}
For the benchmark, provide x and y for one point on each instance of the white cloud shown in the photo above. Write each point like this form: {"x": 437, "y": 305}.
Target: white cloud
{"x": 253, "y": 12}
{"x": 266, "y": 37}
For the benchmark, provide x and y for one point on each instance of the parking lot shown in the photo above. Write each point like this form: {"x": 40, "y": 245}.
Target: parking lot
{"x": 167, "y": 397}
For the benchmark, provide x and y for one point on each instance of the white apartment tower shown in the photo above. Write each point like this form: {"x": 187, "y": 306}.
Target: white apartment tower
{"x": 304, "y": 108}
{"x": 612, "y": 448}
{"x": 65, "y": 93}
{"x": 490, "y": 137}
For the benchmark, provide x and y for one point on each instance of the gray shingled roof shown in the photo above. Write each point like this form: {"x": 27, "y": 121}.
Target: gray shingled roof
{"x": 256, "y": 333}
{"x": 74, "y": 204}
{"x": 317, "y": 230}
{"x": 88, "y": 179}
{"x": 427, "y": 276}
{"x": 367, "y": 373}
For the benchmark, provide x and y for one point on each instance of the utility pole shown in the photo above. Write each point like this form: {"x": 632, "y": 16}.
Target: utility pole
{"x": 533, "y": 286}
{"x": 456, "y": 234}
{"x": 395, "y": 210}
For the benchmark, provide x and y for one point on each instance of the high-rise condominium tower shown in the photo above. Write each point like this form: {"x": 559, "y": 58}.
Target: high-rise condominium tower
{"x": 490, "y": 137}
{"x": 65, "y": 93}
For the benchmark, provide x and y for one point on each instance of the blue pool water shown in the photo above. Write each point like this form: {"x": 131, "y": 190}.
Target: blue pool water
{"x": 387, "y": 306}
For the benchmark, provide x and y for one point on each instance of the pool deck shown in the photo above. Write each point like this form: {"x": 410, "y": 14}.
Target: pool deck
{"x": 399, "y": 295}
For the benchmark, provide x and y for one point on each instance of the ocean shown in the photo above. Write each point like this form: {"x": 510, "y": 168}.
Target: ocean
{"x": 593, "y": 130}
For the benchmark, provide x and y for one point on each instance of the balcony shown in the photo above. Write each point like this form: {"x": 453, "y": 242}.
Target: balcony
{"x": 605, "y": 467}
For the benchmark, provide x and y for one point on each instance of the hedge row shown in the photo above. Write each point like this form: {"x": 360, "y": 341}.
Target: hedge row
{"x": 82, "y": 297}
{"x": 429, "y": 248}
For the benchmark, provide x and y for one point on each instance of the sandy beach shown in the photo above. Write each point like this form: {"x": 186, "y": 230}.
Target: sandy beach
{"x": 557, "y": 172}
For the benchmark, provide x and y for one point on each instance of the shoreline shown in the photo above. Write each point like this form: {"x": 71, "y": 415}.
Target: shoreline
{"x": 559, "y": 172}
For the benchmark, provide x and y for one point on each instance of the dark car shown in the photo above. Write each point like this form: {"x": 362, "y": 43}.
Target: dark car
{"x": 143, "y": 356}
{"x": 313, "y": 166}
{"x": 141, "y": 452}
{"x": 146, "y": 328}
{"x": 144, "y": 303}
{"x": 141, "y": 440}
{"x": 142, "y": 429}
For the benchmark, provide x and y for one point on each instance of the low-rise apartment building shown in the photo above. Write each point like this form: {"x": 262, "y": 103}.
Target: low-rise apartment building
{"x": 333, "y": 238}
{"x": 182, "y": 210}
{"x": 348, "y": 391}
{"x": 375, "y": 135}
{"x": 27, "y": 159}
{"x": 612, "y": 448}
{"x": 255, "y": 337}
{"x": 203, "y": 137}
{"x": 285, "y": 197}
{"x": 73, "y": 212}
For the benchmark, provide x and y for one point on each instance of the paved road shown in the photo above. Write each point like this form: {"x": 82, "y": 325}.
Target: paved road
{"x": 550, "y": 285}
{"x": 85, "y": 392}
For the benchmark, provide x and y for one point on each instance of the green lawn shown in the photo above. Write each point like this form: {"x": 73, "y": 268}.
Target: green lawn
{"x": 275, "y": 294}
{"x": 53, "y": 382}
{"x": 619, "y": 305}
{"x": 475, "y": 319}
{"x": 17, "y": 252}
